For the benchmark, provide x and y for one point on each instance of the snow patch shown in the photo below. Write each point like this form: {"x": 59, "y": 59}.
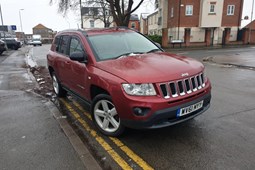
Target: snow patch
{"x": 30, "y": 60}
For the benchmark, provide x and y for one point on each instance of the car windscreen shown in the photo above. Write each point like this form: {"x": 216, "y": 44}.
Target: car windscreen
{"x": 111, "y": 46}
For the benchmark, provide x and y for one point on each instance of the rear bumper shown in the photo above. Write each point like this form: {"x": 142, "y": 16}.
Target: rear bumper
{"x": 168, "y": 116}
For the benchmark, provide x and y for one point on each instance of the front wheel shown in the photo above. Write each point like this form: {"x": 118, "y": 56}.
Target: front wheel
{"x": 60, "y": 92}
{"x": 105, "y": 116}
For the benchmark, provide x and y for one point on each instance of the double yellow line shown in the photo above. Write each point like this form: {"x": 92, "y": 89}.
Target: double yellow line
{"x": 116, "y": 157}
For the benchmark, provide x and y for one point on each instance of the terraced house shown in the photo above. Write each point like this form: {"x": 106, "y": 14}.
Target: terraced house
{"x": 199, "y": 22}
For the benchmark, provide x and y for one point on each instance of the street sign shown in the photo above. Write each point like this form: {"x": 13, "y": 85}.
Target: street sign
{"x": 13, "y": 27}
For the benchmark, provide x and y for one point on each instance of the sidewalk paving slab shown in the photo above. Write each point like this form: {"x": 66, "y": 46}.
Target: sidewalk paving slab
{"x": 31, "y": 135}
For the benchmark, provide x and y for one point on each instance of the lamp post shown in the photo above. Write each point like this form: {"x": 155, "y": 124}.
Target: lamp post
{"x": 81, "y": 15}
{"x": 179, "y": 18}
{"x": 2, "y": 19}
{"x": 21, "y": 33}
{"x": 249, "y": 38}
{"x": 20, "y": 19}
{"x": 252, "y": 10}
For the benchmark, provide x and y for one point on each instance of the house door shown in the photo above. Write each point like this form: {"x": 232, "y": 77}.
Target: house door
{"x": 212, "y": 36}
{"x": 224, "y": 37}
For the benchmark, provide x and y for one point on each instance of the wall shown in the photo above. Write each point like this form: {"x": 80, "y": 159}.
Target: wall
{"x": 208, "y": 19}
{"x": 232, "y": 20}
{"x": 153, "y": 23}
{"x": 197, "y": 35}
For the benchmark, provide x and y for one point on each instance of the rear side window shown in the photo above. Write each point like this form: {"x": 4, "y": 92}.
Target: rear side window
{"x": 63, "y": 45}
{"x": 56, "y": 43}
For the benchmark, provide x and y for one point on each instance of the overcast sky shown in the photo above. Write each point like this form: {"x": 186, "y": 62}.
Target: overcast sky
{"x": 40, "y": 11}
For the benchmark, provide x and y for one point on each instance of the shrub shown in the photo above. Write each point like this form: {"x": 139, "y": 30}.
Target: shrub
{"x": 156, "y": 38}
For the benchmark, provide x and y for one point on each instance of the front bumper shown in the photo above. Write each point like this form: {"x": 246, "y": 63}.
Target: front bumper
{"x": 168, "y": 117}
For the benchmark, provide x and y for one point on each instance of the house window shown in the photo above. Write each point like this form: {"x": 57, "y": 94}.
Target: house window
{"x": 92, "y": 23}
{"x": 231, "y": 10}
{"x": 172, "y": 12}
{"x": 189, "y": 9}
{"x": 212, "y": 8}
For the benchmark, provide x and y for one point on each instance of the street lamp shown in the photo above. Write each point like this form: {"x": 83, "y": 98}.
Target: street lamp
{"x": 179, "y": 18}
{"x": 81, "y": 14}
{"x": 20, "y": 19}
{"x": 251, "y": 21}
{"x": 21, "y": 33}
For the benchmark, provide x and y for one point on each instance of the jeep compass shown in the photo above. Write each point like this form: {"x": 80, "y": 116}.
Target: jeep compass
{"x": 128, "y": 80}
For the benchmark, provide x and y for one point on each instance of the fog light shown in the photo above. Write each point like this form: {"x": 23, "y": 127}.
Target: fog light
{"x": 140, "y": 111}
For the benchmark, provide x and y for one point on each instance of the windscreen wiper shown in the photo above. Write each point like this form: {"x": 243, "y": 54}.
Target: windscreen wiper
{"x": 153, "y": 50}
{"x": 127, "y": 54}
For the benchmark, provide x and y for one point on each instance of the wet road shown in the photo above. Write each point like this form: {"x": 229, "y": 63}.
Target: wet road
{"x": 221, "y": 138}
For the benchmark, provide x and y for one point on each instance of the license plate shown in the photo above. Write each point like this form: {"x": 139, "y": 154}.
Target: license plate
{"x": 189, "y": 109}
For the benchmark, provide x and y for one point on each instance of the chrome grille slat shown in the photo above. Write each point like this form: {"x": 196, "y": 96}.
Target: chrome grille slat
{"x": 182, "y": 87}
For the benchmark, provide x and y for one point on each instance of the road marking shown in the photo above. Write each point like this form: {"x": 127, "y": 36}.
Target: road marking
{"x": 121, "y": 145}
{"x": 131, "y": 154}
{"x": 116, "y": 157}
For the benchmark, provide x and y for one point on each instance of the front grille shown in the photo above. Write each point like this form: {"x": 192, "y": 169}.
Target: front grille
{"x": 182, "y": 87}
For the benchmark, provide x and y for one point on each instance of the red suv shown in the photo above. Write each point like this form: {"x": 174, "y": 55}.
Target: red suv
{"x": 128, "y": 80}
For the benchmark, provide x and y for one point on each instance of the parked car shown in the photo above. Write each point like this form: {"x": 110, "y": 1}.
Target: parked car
{"x": 127, "y": 79}
{"x": 37, "y": 40}
{"x": 3, "y": 46}
{"x": 12, "y": 43}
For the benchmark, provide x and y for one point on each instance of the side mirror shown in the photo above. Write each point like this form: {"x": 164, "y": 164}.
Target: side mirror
{"x": 79, "y": 56}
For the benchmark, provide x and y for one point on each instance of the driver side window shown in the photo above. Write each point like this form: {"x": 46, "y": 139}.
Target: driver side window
{"x": 75, "y": 46}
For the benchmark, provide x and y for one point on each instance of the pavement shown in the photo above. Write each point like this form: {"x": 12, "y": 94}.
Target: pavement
{"x": 34, "y": 134}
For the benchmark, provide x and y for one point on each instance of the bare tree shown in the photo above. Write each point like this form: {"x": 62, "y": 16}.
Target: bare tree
{"x": 120, "y": 9}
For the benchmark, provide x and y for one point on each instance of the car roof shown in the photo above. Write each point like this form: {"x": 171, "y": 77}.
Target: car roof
{"x": 98, "y": 31}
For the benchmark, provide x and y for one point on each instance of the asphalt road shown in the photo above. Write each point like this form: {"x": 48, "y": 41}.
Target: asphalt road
{"x": 221, "y": 138}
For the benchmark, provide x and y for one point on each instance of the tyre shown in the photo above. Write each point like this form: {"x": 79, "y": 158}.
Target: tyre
{"x": 58, "y": 89}
{"x": 105, "y": 116}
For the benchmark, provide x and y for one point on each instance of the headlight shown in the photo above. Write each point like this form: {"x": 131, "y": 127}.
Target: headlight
{"x": 139, "y": 89}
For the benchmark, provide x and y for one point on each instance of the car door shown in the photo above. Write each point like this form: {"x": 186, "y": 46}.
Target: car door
{"x": 64, "y": 63}
{"x": 78, "y": 69}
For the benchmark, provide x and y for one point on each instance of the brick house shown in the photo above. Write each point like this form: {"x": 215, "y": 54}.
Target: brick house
{"x": 199, "y": 22}
{"x": 204, "y": 22}
{"x": 249, "y": 33}
{"x": 46, "y": 33}
{"x": 134, "y": 22}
